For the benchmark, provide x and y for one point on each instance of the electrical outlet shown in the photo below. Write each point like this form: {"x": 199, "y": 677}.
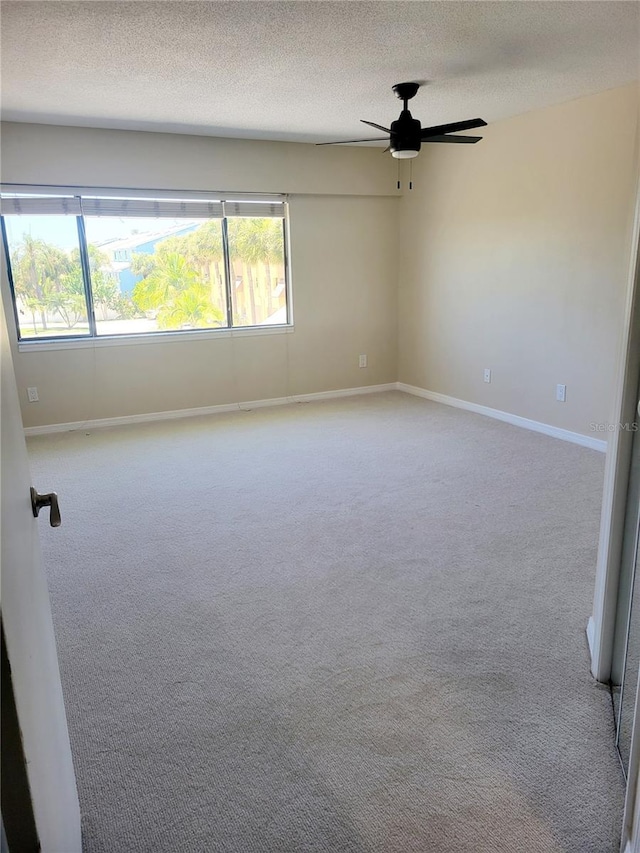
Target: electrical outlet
{"x": 561, "y": 393}
{"x": 487, "y": 374}
{"x": 362, "y": 361}
{"x": 32, "y": 394}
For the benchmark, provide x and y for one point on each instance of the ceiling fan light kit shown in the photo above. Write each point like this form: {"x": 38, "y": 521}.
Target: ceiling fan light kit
{"x": 406, "y": 134}
{"x": 405, "y": 153}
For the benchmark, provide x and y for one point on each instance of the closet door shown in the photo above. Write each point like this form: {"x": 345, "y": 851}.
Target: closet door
{"x": 626, "y": 658}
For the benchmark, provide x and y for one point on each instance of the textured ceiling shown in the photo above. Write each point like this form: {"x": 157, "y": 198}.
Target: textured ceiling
{"x": 304, "y": 71}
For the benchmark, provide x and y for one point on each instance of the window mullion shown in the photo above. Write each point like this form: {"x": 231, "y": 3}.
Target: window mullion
{"x": 227, "y": 271}
{"x": 86, "y": 276}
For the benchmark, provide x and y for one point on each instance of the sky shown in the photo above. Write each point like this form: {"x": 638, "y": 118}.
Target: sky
{"x": 62, "y": 231}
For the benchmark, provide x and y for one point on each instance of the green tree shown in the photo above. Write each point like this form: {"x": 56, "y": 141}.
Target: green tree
{"x": 204, "y": 251}
{"x": 103, "y": 287}
{"x": 126, "y": 308}
{"x": 208, "y": 250}
{"x": 34, "y": 306}
{"x": 176, "y": 291}
{"x": 66, "y": 297}
{"x": 37, "y": 267}
{"x": 244, "y": 251}
{"x": 48, "y": 281}
{"x": 269, "y": 236}
{"x": 190, "y": 307}
{"x": 254, "y": 243}
{"x": 142, "y": 264}
{"x": 171, "y": 274}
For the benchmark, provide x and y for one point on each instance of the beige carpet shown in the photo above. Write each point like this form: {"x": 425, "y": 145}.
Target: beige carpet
{"x": 355, "y": 625}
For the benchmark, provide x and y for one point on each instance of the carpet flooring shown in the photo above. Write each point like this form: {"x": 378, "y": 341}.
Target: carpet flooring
{"x": 354, "y": 625}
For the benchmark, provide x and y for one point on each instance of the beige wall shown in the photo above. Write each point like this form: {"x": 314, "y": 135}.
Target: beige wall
{"x": 79, "y": 156}
{"x": 343, "y": 227}
{"x": 514, "y": 256}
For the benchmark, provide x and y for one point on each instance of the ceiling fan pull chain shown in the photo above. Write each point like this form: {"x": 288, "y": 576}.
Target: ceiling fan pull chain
{"x": 410, "y": 174}
{"x": 398, "y": 174}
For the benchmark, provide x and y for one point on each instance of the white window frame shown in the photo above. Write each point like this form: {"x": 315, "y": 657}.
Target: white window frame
{"x": 93, "y": 340}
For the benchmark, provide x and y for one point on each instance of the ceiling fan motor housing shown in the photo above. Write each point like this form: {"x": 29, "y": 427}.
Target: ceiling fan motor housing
{"x": 405, "y": 136}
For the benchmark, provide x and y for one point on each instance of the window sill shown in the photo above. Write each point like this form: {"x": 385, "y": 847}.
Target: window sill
{"x": 150, "y": 338}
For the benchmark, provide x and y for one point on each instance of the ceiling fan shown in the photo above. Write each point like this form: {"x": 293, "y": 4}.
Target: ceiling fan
{"x": 406, "y": 134}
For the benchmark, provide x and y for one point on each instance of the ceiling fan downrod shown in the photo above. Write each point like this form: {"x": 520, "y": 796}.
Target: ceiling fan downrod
{"x": 406, "y": 91}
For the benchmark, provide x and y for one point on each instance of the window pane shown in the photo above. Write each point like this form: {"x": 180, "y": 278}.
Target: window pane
{"x": 258, "y": 283}
{"x": 153, "y": 275}
{"x": 47, "y": 275}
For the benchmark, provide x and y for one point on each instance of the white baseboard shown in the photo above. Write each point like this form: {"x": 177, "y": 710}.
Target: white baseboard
{"x": 101, "y": 423}
{"x": 515, "y": 420}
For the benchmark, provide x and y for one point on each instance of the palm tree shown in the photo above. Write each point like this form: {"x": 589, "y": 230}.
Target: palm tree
{"x": 34, "y": 306}
{"x": 176, "y": 292}
{"x": 255, "y": 242}
{"x": 171, "y": 274}
{"x": 271, "y": 241}
{"x": 203, "y": 248}
{"x": 37, "y": 264}
{"x": 190, "y": 307}
{"x": 244, "y": 249}
{"x": 65, "y": 295}
{"x": 142, "y": 264}
{"x": 103, "y": 287}
{"x": 208, "y": 249}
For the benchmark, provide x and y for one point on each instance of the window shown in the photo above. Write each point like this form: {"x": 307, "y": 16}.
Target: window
{"x": 89, "y": 266}
{"x": 256, "y": 256}
{"x": 46, "y": 271}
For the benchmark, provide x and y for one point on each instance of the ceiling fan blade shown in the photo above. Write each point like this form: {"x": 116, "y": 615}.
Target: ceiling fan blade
{"x": 373, "y": 124}
{"x": 347, "y": 141}
{"x": 454, "y": 127}
{"x": 469, "y": 140}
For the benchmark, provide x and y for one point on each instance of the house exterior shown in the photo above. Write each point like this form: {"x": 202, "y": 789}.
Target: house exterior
{"x": 121, "y": 251}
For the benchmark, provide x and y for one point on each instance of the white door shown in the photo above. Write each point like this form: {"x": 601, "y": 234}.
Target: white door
{"x": 626, "y": 645}
{"x": 31, "y": 647}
